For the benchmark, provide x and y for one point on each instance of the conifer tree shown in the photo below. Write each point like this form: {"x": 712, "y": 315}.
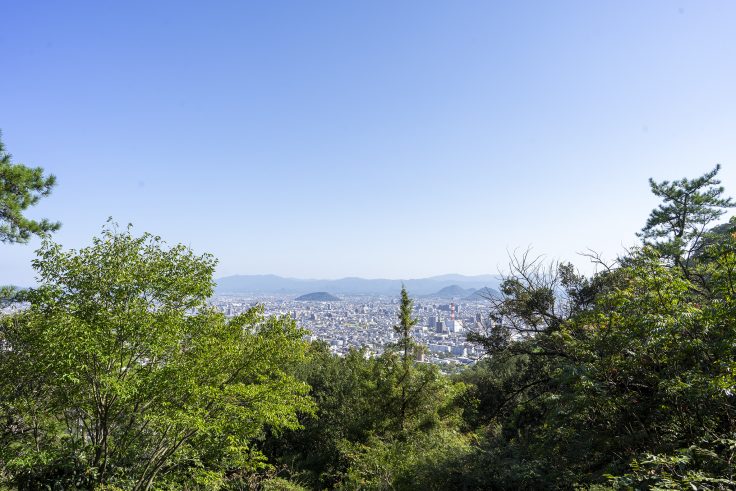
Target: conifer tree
{"x": 20, "y": 188}
{"x": 677, "y": 227}
{"x": 407, "y": 348}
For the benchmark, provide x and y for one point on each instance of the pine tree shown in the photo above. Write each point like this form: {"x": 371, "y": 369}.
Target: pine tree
{"x": 677, "y": 227}
{"x": 20, "y": 188}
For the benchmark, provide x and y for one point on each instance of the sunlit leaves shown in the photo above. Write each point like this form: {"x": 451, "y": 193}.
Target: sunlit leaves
{"x": 123, "y": 374}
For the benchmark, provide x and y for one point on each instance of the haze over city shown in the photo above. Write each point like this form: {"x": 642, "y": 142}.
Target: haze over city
{"x": 381, "y": 139}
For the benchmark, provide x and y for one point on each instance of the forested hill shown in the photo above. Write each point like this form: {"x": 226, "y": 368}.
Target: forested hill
{"x": 317, "y": 297}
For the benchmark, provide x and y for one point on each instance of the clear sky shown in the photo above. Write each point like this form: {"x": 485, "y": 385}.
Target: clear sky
{"x": 377, "y": 139}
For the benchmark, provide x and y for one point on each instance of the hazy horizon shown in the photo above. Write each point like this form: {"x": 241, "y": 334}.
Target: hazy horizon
{"x": 375, "y": 140}
{"x": 338, "y": 278}
{"x": 364, "y": 277}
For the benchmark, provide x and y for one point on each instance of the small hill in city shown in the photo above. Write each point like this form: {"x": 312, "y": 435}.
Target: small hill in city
{"x": 318, "y": 297}
{"x": 453, "y": 291}
{"x": 484, "y": 294}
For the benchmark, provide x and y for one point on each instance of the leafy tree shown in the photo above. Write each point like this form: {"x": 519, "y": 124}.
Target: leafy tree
{"x": 429, "y": 460}
{"x": 343, "y": 388}
{"x": 20, "y": 188}
{"x": 119, "y": 373}
{"x": 624, "y": 379}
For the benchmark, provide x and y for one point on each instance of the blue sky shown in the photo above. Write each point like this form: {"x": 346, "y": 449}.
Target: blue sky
{"x": 375, "y": 139}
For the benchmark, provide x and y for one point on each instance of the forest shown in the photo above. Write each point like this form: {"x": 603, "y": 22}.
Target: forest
{"x": 116, "y": 374}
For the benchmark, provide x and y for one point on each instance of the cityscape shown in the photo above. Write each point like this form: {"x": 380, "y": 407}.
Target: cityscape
{"x": 366, "y": 322}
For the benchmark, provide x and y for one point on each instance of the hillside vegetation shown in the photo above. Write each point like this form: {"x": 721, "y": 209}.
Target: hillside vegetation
{"x": 118, "y": 375}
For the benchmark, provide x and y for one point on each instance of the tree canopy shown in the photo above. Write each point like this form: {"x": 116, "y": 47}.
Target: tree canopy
{"x": 119, "y": 373}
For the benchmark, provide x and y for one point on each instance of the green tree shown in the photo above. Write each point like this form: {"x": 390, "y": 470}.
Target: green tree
{"x": 419, "y": 415}
{"x": 343, "y": 388}
{"x": 20, "y": 188}
{"x": 677, "y": 227}
{"x": 410, "y": 392}
{"x": 625, "y": 378}
{"x": 382, "y": 422}
{"x": 119, "y": 373}
{"x": 408, "y": 350}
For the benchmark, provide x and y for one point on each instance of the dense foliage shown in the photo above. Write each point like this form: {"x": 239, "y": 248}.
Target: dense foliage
{"x": 118, "y": 374}
{"x": 382, "y": 422}
{"x": 627, "y": 378}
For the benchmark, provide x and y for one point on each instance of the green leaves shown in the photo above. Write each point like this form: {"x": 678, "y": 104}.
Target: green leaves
{"x": 119, "y": 374}
{"x": 120, "y": 366}
{"x": 628, "y": 374}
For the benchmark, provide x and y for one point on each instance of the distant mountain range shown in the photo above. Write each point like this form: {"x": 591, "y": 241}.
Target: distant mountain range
{"x": 270, "y": 284}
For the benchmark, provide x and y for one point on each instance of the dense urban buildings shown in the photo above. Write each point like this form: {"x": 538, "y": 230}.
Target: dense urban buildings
{"x": 367, "y": 322}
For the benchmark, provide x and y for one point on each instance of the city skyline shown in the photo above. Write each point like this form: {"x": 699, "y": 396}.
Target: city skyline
{"x": 373, "y": 140}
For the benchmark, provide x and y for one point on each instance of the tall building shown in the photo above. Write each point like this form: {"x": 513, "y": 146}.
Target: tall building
{"x": 455, "y": 326}
{"x": 439, "y": 327}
